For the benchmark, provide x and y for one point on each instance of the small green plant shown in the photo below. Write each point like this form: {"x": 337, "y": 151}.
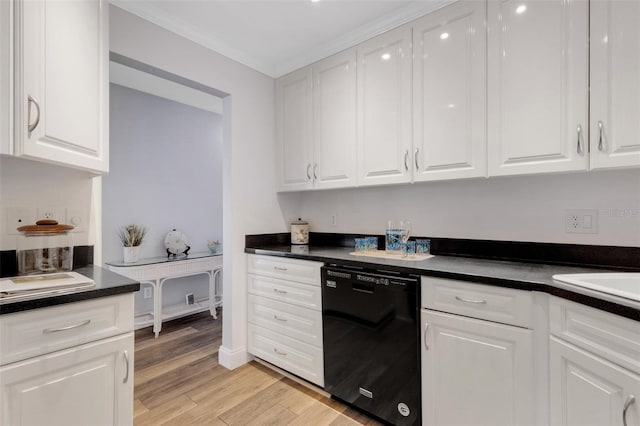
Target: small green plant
{"x": 132, "y": 235}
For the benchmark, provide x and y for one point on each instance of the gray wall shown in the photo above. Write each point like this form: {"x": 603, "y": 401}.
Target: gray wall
{"x": 166, "y": 173}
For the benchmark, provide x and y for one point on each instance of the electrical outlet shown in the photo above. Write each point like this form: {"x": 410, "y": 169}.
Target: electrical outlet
{"x": 49, "y": 213}
{"x": 77, "y": 218}
{"x": 147, "y": 292}
{"x": 19, "y": 216}
{"x": 581, "y": 221}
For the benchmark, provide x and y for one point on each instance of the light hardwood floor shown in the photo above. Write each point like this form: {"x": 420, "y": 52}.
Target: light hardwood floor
{"x": 178, "y": 382}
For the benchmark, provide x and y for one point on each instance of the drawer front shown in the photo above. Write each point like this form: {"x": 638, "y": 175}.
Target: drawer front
{"x": 301, "y": 271}
{"x": 286, "y": 291}
{"x": 499, "y": 304}
{"x": 293, "y": 321}
{"x": 40, "y": 331}
{"x": 613, "y": 337}
{"x": 291, "y": 355}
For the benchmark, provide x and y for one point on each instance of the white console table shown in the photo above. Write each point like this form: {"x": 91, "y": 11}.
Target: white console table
{"x": 157, "y": 271}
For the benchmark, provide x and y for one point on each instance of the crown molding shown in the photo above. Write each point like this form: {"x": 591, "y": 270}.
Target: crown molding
{"x": 361, "y": 34}
{"x": 148, "y": 12}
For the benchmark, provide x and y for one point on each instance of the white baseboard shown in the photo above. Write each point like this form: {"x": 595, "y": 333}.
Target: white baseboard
{"x": 233, "y": 359}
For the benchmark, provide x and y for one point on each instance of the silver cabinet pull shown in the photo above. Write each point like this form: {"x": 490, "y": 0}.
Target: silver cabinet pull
{"x": 415, "y": 157}
{"x": 579, "y": 130}
{"x": 627, "y": 403}
{"x": 315, "y": 175}
{"x": 126, "y": 361}
{"x": 275, "y": 317}
{"x": 279, "y": 353}
{"x": 69, "y": 327}
{"x": 309, "y": 171}
{"x": 277, "y": 268}
{"x": 280, "y": 291}
{"x": 31, "y": 126}
{"x": 600, "y": 131}
{"x": 406, "y": 165}
{"x": 424, "y": 335}
{"x": 477, "y": 302}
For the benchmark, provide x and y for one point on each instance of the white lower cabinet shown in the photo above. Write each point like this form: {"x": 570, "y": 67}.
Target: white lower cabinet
{"x": 594, "y": 367}
{"x": 87, "y": 385}
{"x": 475, "y": 370}
{"x": 285, "y": 315}
{"x": 81, "y": 373}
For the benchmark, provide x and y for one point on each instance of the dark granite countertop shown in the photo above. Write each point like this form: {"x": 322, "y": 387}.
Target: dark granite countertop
{"x": 513, "y": 274}
{"x": 107, "y": 284}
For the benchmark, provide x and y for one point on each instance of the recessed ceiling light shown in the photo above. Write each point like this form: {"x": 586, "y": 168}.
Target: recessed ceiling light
{"x": 444, "y": 36}
{"x": 519, "y": 10}
{"x": 386, "y": 56}
{"x": 315, "y": 1}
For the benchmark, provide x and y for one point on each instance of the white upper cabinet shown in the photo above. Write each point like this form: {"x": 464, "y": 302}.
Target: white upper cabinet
{"x": 334, "y": 101}
{"x": 384, "y": 109}
{"x": 449, "y": 93}
{"x": 62, "y": 82}
{"x": 615, "y": 84}
{"x": 6, "y": 77}
{"x": 537, "y": 86}
{"x": 294, "y": 129}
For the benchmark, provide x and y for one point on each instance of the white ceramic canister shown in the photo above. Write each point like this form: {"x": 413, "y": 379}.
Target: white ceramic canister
{"x": 300, "y": 232}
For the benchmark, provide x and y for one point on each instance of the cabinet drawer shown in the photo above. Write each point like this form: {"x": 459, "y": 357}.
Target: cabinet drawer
{"x": 499, "y": 304}
{"x": 293, "y": 321}
{"x": 40, "y": 331}
{"x": 610, "y": 336}
{"x": 289, "y": 354}
{"x": 301, "y": 271}
{"x": 286, "y": 291}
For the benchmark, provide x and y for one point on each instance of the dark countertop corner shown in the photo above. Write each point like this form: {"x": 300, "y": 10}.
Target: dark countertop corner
{"x": 107, "y": 284}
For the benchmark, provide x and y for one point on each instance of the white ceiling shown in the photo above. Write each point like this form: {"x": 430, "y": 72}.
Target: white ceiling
{"x": 276, "y": 37}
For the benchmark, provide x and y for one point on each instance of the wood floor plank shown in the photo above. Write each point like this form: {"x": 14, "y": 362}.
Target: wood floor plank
{"x": 178, "y": 381}
{"x": 318, "y": 414}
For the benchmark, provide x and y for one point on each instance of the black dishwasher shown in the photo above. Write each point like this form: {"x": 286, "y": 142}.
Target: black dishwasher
{"x": 370, "y": 335}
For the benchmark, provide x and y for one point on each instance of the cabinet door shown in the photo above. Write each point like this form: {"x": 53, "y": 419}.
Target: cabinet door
{"x": 615, "y": 84}
{"x": 62, "y": 82}
{"x": 90, "y": 384}
{"x": 6, "y": 77}
{"x": 384, "y": 108}
{"x": 334, "y": 100}
{"x": 537, "y": 86}
{"x": 449, "y": 93}
{"x": 294, "y": 129}
{"x": 588, "y": 390}
{"x": 475, "y": 372}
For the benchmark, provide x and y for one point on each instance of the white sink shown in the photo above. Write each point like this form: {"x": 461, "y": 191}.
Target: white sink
{"x": 622, "y": 284}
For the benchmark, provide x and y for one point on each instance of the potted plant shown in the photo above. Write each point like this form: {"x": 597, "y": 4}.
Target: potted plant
{"x": 131, "y": 237}
{"x": 214, "y": 246}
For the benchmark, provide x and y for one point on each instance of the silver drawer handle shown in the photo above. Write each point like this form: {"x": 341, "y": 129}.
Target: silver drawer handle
{"x": 308, "y": 171}
{"x": 426, "y": 327}
{"x": 280, "y": 291}
{"x": 600, "y": 130}
{"x": 477, "y": 302}
{"x": 277, "y": 268}
{"x": 32, "y": 126}
{"x": 415, "y": 157}
{"x": 279, "y": 319}
{"x": 579, "y": 130}
{"x": 279, "y": 353}
{"x": 630, "y": 400}
{"x": 69, "y": 327}
{"x": 126, "y": 360}
{"x": 406, "y": 155}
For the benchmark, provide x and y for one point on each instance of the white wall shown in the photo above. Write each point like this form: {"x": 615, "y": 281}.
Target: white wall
{"x": 516, "y": 208}
{"x": 249, "y": 186}
{"x": 166, "y": 173}
{"x": 33, "y": 185}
